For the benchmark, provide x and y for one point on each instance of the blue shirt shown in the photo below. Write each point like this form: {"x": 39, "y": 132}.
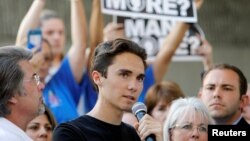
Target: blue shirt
{"x": 147, "y": 83}
{"x": 62, "y": 93}
{"x": 89, "y": 93}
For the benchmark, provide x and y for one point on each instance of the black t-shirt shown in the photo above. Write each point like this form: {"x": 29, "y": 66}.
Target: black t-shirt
{"x": 87, "y": 128}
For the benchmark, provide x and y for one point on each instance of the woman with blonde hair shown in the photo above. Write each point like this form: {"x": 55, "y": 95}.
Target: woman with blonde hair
{"x": 188, "y": 118}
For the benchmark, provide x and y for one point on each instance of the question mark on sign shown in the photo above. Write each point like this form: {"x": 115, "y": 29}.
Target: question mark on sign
{"x": 185, "y": 4}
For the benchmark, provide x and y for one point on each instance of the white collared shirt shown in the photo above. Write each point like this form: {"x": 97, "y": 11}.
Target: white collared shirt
{"x": 238, "y": 120}
{"x": 10, "y": 132}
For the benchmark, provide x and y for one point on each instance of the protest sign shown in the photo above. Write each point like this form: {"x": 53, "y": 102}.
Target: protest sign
{"x": 148, "y": 22}
{"x": 182, "y": 10}
{"x": 150, "y": 34}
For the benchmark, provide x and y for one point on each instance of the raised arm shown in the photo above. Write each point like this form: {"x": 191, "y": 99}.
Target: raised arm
{"x": 206, "y": 51}
{"x": 76, "y": 53}
{"x": 170, "y": 44}
{"x": 96, "y": 24}
{"x": 31, "y": 20}
{"x": 96, "y": 27}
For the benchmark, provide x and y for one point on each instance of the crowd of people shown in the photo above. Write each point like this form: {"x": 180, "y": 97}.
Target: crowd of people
{"x": 41, "y": 90}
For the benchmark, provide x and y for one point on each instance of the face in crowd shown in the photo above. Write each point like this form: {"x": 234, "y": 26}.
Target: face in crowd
{"x": 53, "y": 30}
{"x": 188, "y": 119}
{"x": 118, "y": 70}
{"x": 41, "y": 127}
{"x": 159, "y": 97}
{"x": 223, "y": 92}
{"x": 22, "y": 90}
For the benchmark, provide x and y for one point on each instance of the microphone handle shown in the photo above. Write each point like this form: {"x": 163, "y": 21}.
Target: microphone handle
{"x": 139, "y": 116}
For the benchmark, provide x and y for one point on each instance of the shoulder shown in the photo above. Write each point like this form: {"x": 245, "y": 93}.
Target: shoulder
{"x": 129, "y": 132}
{"x": 243, "y": 122}
{"x": 71, "y": 130}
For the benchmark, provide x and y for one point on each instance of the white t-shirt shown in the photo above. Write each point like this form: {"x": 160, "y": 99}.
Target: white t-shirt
{"x": 10, "y": 132}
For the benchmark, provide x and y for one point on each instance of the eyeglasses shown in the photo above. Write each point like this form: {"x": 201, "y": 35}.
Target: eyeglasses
{"x": 190, "y": 128}
{"x": 36, "y": 79}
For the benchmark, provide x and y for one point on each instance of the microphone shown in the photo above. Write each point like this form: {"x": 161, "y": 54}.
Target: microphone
{"x": 139, "y": 109}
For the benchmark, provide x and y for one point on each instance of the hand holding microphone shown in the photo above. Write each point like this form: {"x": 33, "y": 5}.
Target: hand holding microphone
{"x": 140, "y": 111}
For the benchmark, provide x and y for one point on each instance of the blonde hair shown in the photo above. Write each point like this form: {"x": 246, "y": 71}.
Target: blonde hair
{"x": 181, "y": 108}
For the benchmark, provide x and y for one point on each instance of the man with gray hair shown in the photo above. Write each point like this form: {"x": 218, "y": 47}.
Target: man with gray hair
{"x": 20, "y": 93}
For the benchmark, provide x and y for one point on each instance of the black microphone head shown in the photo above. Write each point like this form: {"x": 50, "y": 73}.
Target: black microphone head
{"x": 139, "y": 106}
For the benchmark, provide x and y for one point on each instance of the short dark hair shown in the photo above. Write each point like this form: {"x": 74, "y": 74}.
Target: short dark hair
{"x": 105, "y": 52}
{"x": 242, "y": 78}
{"x": 50, "y": 117}
{"x": 11, "y": 75}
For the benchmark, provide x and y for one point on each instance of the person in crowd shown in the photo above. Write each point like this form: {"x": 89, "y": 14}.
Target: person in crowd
{"x": 223, "y": 91}
{"x": 188, "y": 119}
{"x": 153, "y": 124}
{"x": 41, "y": 127}
{"x": 20, "y": 94}
{"x": 246, "y": 109}
{"x": 155, "y": 102}
{"x": 118, "y": 70}
{"x": 156, "y": 71}
{"x": 160, "y": 96}
{"x": 158, "y": 100}
{"x": 63, "y": 86}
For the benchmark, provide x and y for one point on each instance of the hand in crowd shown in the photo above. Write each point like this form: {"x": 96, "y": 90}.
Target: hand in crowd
{"x": 147, "y": 126}
{"x": 198, "y": 3}
{"x": 113, "y": 30}
{"x": 206, "y": 51}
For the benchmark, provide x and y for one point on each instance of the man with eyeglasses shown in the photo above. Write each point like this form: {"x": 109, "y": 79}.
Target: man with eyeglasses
{"x": 20, "y": 93}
